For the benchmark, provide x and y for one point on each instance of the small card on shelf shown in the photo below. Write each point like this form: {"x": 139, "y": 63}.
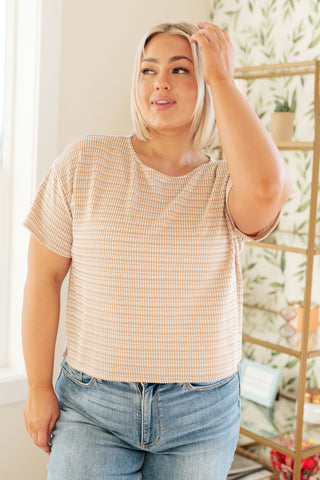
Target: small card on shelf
{"x": 259, "y": 383}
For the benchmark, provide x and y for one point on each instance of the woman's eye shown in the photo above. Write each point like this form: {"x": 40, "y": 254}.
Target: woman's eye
{"x": 147, "y": 71}
{"x": 180, "y": 70}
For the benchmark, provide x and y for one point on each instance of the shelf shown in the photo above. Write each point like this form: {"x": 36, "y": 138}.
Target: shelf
{"x": 287, "y": 242}
{"x": 294, "y": 146}
{"x": 266, "y": 425}
{"x": 306, "y": 146}
{"x": 277, "y": 70}
{"x": 257, "y": 321}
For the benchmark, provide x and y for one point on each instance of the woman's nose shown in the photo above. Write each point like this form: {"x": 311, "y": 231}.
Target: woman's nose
{"x": 162, "y": 83}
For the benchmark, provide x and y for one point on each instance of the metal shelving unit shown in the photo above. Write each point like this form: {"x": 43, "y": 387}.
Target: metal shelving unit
{"x": 310, "y": 249}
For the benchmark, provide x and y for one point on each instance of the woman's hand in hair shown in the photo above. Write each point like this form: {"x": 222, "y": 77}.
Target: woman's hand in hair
{"x": 216, "y": 51}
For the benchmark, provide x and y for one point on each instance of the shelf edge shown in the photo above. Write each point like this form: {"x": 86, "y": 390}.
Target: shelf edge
{"x": 271, "y": 346}
{"x": 309, "y": 452}
{"x": 286, "y": 146}
{"x": 306, "y": 146}
{"x": 314, "y": 354}
{"x": 275, "y": 246}
{"x": 277, "y": 66}
{"x": 267, "y": 442}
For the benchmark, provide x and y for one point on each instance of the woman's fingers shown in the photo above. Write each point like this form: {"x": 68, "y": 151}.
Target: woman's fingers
{"x": 216, "y": 52}
{"x": 41, "y": 414}
{"x": 212, "y": 32}
{"x": 39, "y": 432}
{"x": 43, "y": 439}
{"x": 211, "y": 35}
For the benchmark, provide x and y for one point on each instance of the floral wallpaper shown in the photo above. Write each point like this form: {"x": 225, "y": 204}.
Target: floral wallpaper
{"x": 268, "y": 32}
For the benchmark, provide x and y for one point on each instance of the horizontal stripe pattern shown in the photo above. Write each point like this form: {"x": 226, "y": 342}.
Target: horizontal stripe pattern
{"x": 155, "y": 290}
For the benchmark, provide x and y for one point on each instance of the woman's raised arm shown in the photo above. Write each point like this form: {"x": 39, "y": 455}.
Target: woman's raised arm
{"x": 260, "y": 181}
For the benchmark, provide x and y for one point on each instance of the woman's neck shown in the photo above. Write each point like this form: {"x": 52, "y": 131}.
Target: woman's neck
{"x": 169, "y": 155}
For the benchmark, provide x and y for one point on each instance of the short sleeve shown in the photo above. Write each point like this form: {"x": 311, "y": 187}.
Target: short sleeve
{"x": 50, "y": 217}
{"x": 242, "y": 236}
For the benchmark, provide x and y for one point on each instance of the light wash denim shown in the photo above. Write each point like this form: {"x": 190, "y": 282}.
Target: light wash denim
{"x": 134, "y": 431}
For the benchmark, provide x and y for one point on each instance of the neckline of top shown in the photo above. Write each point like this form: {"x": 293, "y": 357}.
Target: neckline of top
{"x": 162, "y": 175}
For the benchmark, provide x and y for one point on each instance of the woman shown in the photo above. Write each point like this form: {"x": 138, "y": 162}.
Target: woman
{"x": 150, "y": 228}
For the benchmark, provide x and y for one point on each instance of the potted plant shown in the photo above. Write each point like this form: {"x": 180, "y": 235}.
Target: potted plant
{"x": 282, "y": 119}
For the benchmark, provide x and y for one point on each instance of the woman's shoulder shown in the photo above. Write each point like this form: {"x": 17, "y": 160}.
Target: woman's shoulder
{"x": 101, "y": 142}
{"x": 89, "y": 144}
{"x": 218, "y": 169}
{"x": 89, "y": 149}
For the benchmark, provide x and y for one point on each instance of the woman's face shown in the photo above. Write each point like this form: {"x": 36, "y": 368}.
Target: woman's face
{"x": 167, "y": 86}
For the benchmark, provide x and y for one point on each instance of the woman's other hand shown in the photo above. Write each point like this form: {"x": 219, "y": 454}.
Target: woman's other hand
{"x": 217, "y": 53}
{"x": 40, "y": 319}
{"x": 41, "y": 413}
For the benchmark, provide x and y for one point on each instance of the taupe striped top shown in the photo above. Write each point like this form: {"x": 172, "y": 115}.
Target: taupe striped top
{"x": 155, "y": 291}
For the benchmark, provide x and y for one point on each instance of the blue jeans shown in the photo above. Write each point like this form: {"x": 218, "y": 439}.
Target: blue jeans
{"x": 133, "y": 431}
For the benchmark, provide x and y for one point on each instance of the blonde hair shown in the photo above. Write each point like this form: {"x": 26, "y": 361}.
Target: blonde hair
{"x": 203, "y": 126}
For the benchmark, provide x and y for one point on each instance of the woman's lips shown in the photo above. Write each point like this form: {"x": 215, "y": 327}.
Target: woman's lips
{"x": 162, "y": 103}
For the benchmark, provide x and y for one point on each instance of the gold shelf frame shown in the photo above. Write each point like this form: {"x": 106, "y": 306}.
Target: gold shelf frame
{"x": 285, "y": 70}
{"x": 283, "y": 248}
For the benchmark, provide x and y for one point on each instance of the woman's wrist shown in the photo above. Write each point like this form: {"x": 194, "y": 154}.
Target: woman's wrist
{"x": 40, "y": 384}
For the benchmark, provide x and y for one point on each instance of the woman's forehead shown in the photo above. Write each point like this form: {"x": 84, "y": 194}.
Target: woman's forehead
{"x": 177, "y": 45}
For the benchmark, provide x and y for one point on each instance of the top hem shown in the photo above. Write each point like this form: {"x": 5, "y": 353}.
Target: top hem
{"x": 154, "y": 377}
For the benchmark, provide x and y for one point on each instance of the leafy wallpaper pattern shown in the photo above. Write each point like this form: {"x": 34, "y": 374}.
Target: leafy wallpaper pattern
{"x": 267, "y": 32}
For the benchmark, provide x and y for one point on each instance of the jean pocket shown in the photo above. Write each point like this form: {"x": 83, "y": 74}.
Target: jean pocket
{"x": 79, "y": 378}
{"x": 211, "y": 385}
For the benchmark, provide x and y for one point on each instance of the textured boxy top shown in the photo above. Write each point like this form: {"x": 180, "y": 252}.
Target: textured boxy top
{"x": 155, "y": 289}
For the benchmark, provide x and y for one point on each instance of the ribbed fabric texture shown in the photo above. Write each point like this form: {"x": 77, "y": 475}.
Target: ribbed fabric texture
{"x": 155, "y": 290}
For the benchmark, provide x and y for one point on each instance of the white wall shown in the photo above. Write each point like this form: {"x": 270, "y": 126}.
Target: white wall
{"x": 98, "y": 43}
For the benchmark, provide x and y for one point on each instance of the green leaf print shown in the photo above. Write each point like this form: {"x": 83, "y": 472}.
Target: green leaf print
{"x": 286, "y": 383}
{"x": 304, "y": 206}
{"x": 310, "y": 364}
{"x": 235, "y": 15}
{"x": 283, "y": 262}
{"x": 314, "y": 42}
{"x": 292, "y": 363}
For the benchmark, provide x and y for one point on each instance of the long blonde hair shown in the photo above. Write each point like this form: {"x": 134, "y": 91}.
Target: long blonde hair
{"x": 203, "y": 126}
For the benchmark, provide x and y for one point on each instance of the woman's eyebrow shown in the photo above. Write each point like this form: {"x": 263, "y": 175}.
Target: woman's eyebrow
{"x": 172, "y": 59}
